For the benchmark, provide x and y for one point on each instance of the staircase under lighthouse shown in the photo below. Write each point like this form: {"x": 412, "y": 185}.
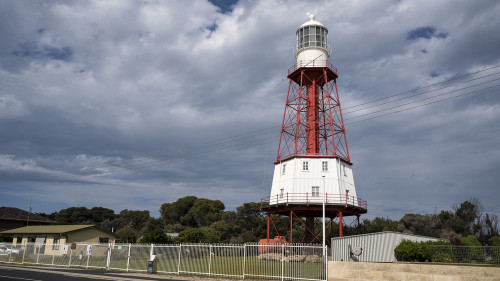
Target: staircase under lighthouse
{"x": 313, "y": 166}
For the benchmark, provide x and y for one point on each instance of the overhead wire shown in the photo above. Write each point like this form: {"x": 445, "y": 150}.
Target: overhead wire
{"x": 432, "y": 97}
{"x": 169, "y": 155}
{"x": 406, "y": 109}
{"x": 256, "y": 143}
{"x": 412, "y": 96}
{"x": 420, "y": 88}
{"x": 267, "y": 129}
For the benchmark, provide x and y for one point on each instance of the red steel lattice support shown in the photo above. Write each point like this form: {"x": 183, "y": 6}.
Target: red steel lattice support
{"x": 312, "y": 120}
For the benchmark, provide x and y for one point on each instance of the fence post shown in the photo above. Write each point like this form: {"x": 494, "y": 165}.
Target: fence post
{"x": 108, "y": 259}
{"x": 244, "y": 258}
{"x": 282, "y": 261}
{"x": 24, "y": 252}
{"x": 70, "y": 255}
{"x": 38, "y": 254}
{"x": 179, "y": 263}
{"x": 128, "y": 255}
{"x": 325, "y": 258}
{"x": 10, "y": 253}
{"x": 209, "y": 259}
{"x": 88, "y": 256}
{"x": 53, "y": 254}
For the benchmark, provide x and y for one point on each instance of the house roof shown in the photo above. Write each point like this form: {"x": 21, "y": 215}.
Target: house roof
{"x": 9, "y": 213}
{"x": 49, "y": 229}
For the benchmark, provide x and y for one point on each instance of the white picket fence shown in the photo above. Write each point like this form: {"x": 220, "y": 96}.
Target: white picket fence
{"x": 273, "y": 261}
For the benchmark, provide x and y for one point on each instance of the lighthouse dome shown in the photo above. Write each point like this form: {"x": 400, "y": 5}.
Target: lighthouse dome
{"x": 311, "y": 21}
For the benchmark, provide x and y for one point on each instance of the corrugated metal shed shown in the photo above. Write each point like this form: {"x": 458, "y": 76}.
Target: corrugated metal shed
{"x": 377, "y": 247}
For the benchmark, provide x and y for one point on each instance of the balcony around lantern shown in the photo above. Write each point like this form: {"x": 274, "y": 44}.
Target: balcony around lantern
{"x": 313, "y": 63}
{"x": 313, "y": 199}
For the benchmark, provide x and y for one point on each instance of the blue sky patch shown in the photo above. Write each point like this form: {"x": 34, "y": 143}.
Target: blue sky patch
{"x": 434, "y": 74}
{"x": 426, "y": 32}
{"x": 212, "y": 27}
{"x": 35, "y": 51}
{"x": 226, "y": 6}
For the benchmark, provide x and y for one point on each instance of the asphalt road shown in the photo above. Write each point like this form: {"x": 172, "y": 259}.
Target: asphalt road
{"x": 29, "y": 273}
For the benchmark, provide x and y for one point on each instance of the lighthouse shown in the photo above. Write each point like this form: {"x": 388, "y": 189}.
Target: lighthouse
{"x": 313, "y": 175}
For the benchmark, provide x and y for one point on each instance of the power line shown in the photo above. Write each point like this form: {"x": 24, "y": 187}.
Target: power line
{"x": 420, "y": 88}
{"x": 412, "y": 96}
{"x": 169, "y": 155}
{"x": 423, "y": 105}
{"x": 256, "y": 143}
{"x": 432, "y": 97}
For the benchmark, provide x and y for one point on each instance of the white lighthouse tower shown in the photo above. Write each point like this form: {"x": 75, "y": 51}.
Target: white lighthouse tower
{"x": 313, "y": 165}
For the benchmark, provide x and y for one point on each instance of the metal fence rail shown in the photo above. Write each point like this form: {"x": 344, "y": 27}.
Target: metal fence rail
{"x": 251, "y": 260}
{"x": 465, "y": 254}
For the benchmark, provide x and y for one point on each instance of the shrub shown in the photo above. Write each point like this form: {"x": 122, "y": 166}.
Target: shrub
{"x": 421, "y": 251}
{"x": 495, "y": 241}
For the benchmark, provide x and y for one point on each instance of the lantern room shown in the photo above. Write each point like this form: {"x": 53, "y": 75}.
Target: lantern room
{"x": 312, "y": 44}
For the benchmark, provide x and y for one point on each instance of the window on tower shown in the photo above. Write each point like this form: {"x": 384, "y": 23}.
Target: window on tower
{"x": 282, "y": 192}
{"x": 283, "y": 169}
{"x": 324, "y": 166}
{"x": 305, "y": 166}
{"x": 315, "y": 191}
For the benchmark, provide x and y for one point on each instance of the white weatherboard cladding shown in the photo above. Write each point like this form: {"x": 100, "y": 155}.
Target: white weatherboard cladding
{"x": 377, "y": 247}
{"x": 338, "y": 179}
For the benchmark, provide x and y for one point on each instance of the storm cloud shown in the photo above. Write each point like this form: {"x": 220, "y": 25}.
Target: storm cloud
{"x": 130, "y": 104}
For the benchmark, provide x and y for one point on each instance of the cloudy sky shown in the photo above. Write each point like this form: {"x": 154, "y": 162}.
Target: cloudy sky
{"x": 130, "y": 104}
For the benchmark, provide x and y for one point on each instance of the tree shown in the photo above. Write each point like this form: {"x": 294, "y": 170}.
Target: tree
{"x": 112, "y": 225}
{"x": 419, "y": 224}
{"x": 206, "y": 211}
{"x": 79, "y": 215}
{"x": 173, "y": 212}
{"x": 51, "y": 216}
{"x": 134, "y": 219}
{"x": 469, "y": 217}
{"x": 156, "y": 237}
{"x": 251, "y": 218}
{"x": 127, "y": 234}
{"x": 191, "y": 235}
{"x": 191, "y": 211}
{"x": 151, "y": 225}
{"x": 100, "y": 214}
{"x": 378, "y": 224}
{"x": 74, "y": 215}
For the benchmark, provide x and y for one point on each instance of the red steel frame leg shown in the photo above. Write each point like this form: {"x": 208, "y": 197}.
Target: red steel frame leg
{"x": 340, "y": 224}
{"x": 267, "y": 227}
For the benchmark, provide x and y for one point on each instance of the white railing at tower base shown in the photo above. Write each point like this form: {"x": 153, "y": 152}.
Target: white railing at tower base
{"x": 250, "y": 260}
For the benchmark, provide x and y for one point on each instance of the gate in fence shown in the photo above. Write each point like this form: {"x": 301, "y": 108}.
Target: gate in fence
{"x": 274, "y": 261}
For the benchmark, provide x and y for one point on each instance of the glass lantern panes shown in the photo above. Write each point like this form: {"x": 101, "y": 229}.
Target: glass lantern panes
{"x": 311, "y": 36}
